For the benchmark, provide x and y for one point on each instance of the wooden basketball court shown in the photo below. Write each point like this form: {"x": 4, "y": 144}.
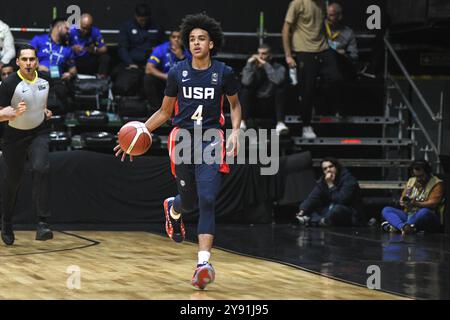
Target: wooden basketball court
{"x": 141, "y": 265}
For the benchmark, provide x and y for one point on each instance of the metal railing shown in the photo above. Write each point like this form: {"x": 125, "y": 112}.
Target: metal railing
{"x": 433, "y": 145}
{"x": 259, "y": 35}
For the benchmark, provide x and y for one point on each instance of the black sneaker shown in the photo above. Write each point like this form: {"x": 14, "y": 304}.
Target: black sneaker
{"x": 7, "y": 233}
{"x": 408, "y": 229}
{"x": 387, "y": 227}
{"x": 43, "y": 232}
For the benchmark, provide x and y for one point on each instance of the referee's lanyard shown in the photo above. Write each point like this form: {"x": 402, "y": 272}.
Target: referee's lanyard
{"x": 54, "y": 68}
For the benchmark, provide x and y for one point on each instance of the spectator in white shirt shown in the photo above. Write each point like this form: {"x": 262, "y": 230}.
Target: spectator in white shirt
{"x": 7, "y": 49}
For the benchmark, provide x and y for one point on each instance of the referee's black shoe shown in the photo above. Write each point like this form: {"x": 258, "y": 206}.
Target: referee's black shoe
{"x": 43, "y": 232}
{"x": 7, "y": 233}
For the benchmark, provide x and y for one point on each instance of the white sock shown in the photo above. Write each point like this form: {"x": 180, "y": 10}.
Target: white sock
{"x": 173, "y": 214}
{"x": 203, "y": 256}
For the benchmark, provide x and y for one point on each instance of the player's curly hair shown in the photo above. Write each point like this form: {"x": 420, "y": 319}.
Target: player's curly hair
{"x": 202, "y": 21}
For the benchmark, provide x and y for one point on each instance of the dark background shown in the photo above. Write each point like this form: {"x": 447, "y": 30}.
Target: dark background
{"x": 235, "y": 15}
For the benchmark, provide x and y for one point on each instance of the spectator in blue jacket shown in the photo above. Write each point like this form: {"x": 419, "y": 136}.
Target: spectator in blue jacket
{"x": 56, "y": 61}
{"x": 91, "y": 53}
{"x": 163, "y": 57}
{"x": 335, "y": 200}
{"x": 137, "y": 38}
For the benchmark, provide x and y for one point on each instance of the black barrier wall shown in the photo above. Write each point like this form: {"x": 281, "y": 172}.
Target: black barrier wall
{"x": 91, "y": 187}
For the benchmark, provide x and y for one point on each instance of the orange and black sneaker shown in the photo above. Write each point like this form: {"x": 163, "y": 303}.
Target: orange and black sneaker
{"x": 203, "y": 275}
{"x": 174, "y": 227}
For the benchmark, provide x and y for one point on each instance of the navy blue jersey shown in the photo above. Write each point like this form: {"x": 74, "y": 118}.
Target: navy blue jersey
{"x": 200, "y": 93}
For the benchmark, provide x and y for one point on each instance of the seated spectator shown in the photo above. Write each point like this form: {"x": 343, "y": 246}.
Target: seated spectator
{"x": 5, "y": 71}
{"x": 90, "y": 52}
{"x": 335, "y": 200}
{"x": 135, "y": 45}
{"x": 340, "y": 37}
{"x": 7, "y": 49}
{"x": 421, "y": 200}
{"x": 264, "y": 90}
{"x": 54, "y": 54}
{"x": 161, "y": 60}
{"x": 56, "y": 60}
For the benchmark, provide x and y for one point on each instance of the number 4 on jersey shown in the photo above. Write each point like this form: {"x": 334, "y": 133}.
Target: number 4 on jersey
{"x": 197, "y": 116}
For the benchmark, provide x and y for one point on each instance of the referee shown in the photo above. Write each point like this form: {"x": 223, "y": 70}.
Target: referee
{"x": 26, "y": 137}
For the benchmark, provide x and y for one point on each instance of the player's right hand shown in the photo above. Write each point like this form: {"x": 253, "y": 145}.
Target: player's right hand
{"x": 118, "y": 150}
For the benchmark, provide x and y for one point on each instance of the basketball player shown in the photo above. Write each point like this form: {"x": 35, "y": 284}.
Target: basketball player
{"x": 26, "y": 136}
{"x": 194, "y": 90}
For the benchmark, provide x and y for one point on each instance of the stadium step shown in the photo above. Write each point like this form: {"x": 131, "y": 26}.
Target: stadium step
{"x": 295, "y": 119}
{"x": 370, "y": 163}
{"x": 385, "y": 185}
{"x": 320, "y": 119}
{"x": 345, "y": 141}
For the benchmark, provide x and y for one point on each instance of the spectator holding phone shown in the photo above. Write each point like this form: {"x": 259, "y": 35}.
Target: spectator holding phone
{"x": 421, "y": 202}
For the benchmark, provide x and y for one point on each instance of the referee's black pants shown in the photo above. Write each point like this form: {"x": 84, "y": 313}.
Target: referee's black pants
{"x": 18, "y": 147}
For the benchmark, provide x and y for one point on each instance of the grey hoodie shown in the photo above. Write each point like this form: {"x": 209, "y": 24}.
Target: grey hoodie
{"x": 266, "y": 79}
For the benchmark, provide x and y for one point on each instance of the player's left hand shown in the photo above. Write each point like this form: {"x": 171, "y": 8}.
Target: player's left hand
{"x": 233, "y": 144}
{"x": 118, "y": 150}
{"x": 48, "y": 113}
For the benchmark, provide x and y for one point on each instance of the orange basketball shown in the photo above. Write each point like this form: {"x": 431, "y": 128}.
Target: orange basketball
{"x": 134, "y": 138}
